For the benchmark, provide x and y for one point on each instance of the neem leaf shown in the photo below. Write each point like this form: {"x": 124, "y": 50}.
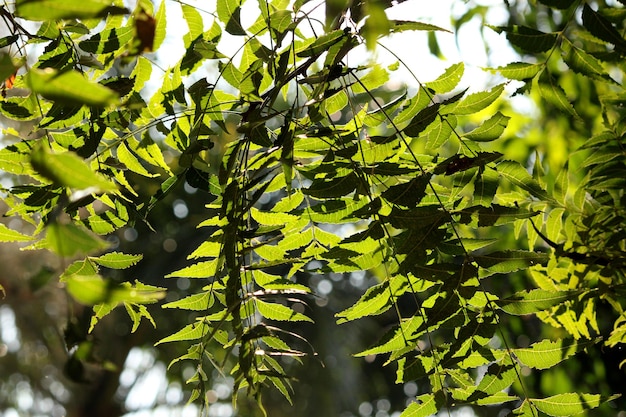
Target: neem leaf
{"x": 69, "y": 87}
{"x": 229, "y": 12}
{"x": 601, "y": 28}
{"x": 117, "y": 260}
{"x": 71, "y": 239}
{"x": 491, "y": 129}
{"x": 9, "y": 235}
{"x": 518, "y": 175}
{"x": 321, "y": 44}
{"x": 510, "y": 261}
{"x": 403, "y": 25}
{"x": 448, "y": 80}
{"x": 547, "y": 353}
{"x": 274, "y": 311}
{"x": 68, "y": 170}
{"x": 65, "y": 9}
{"x": 107, "y": 41}
{"x": 518, "y": 70}
{"x": 551, "y": 91}
{"x": 426, "y": 406}
{"x": 533, "y": 301}
{"x": 564, "y": 405}
{"x": 528, "y": 39}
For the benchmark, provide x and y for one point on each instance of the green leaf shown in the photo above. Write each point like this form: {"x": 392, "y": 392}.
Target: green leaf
{"x": 552, "y": 92}
{"x": 117, "y": 260}
{"x": 518, "y": 70}
{"x": 161, "y": 23}
{"x": 547, "y": 353}
{"x": 490, "y": 129}
{"x": 564, "y": 405}
{"x": 601, "y": 28}
{"x": 321, "y": 44}
{"x": 448, "y": 80}
{"x": 518, "y": 175}
{"x": 65, "y": 9}
{"x": 68, "y": 170}
{"x": 15, "y": 158}
{"x": 510, "y": 261}
{"x": 9, "y": 235}
{"x": 274, "y": 311}
{"x": 107, "y": 41}
{"x": 583, "y": 63}
{"x": 476, "y": 102}
{"x": 205, "y": 269}
{"x": 229, "y": 12}
{"x": 533, "y": 301}
{"x": 426, "y": 405}
{"x": 191, "y": 331}
{"x": 194, "y": 302}
{"x": 376, "y": 300}
{"x": 87, "y": 289}
{"x": 70, "y": 239}
{"x": 69, "y": 87}
{"x": 404, "y": 25}
{"x": 376, "y": 77}
{"x": 336, "y": 187}
{"x": 194, "y": 23}
{"x": 126, "y": 157}
{"x": 528, "y": 39}
{"x": 421, "y": 120}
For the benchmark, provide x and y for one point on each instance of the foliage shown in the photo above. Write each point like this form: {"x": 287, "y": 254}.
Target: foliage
{"x": 313, "y": 167}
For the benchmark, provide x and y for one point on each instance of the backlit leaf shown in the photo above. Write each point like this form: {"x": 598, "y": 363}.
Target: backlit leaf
{"x": 69, "y": 87}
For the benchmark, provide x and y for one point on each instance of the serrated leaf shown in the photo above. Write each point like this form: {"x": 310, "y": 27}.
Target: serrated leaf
{"x": 602, "y": 28}
{"x": 161, "y": 23}
{"x": 374, "y": 301}
{"x": 193, "y": 331}
{"x": 552, "y": 92}
{"x": 518, "y": 175}
{"x": 69, "y": 87}
{"x": 335, "y": 187}
{"x": 518, "y": 70}
{"x": 117, "y": 260}
{"x": 547, "y": 353}
{"x": 476, "y": 102}
{"x": 510, "y": 261}
{"x": 583, "y": 63}
{"x": 194, "y": 302}
{"x": 376, "y": 77}
{"x": 448, "y": 80}
{"x": 274, "y": 311}
{"x": 193, "y": 18}
{"x": 426, "y": 405}
{"x": 528, "y": 39}
{"x": 107, "y": 41}
{"x": 403, "y": 25}
{"x": 321, "y": 44}
{"x": 205, "y": 269}
{"x": 127, "y": 158}
{"x": 490, "y": 129}
{"x": 564, "y": 405}
{"x": 229, "y": 12}
{"x": 533, "y": 301}
{"x": 9, "y": 235}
